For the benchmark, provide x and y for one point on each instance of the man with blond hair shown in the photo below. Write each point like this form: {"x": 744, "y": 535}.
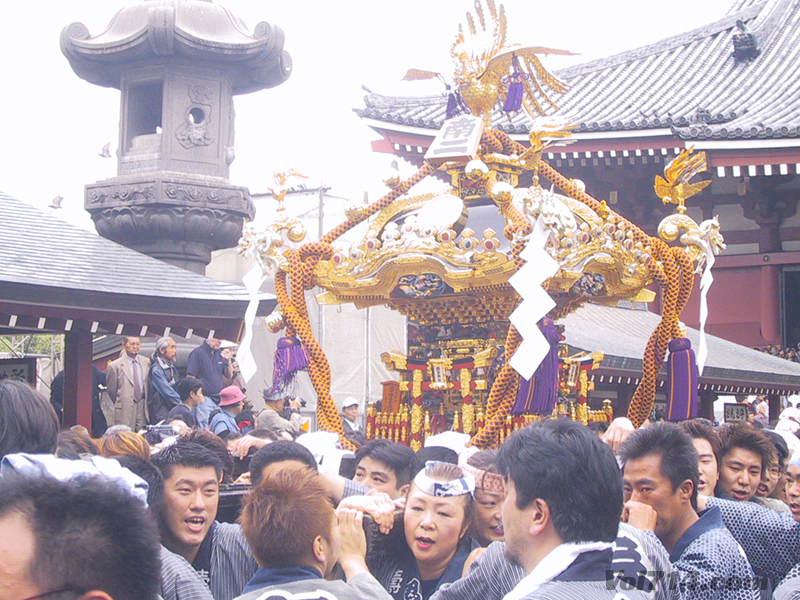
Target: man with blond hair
{"x": 297, "y": 539}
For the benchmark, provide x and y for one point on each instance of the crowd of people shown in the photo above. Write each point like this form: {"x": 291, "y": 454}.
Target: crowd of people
{"x": 560, "y": 510}
{"x": 788, "y": 353}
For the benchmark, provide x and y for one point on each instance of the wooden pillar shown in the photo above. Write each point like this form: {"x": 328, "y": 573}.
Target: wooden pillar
{"x": 78, "y": 378}
{"x": 774, "y": 402}
{"x": 705, "y": 404}
{"x": 623, "y": 401}
{"x": 770, "y": 304}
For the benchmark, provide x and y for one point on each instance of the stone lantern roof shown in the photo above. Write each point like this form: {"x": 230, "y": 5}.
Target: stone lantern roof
{"x": 177, "y": 64}
{"x": 196, "y": 31}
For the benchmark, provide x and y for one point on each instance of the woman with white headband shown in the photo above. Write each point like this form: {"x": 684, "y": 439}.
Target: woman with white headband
{"x": 437, "y": 513}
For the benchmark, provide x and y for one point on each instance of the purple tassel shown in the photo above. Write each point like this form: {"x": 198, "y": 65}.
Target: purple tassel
{"x": 539, "y": 395}
{"x": 681, "y": 381}
{"x": 516, "y": 90}
{"x": 516, "y": 87}
{"x": 455, "y": 105}
{"x": 290, "y": 357}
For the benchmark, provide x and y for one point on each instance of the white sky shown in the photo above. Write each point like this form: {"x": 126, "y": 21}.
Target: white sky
{"x": 54, "y": 124}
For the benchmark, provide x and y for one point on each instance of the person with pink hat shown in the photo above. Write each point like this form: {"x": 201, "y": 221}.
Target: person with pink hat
{"x": 231, "y": 403}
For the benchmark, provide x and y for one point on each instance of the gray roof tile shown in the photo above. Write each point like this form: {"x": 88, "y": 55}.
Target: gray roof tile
{"x": 689, "y": 82}
{"x": 38, "y": 249}
{"x": 623, "y": 334}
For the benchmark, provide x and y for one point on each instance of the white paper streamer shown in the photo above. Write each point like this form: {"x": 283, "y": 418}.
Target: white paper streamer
{"x": 536, "y": 302}
{"x": 247, "y": 363}
{"x": 705, "y": 284}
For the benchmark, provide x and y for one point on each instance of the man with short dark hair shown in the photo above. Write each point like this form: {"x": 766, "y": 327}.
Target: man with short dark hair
{"x": 126, "y": 380}
{"x": 292, "y": 529}
{"x": 745, "y": 453}
{"x": 386, "y": 466}
{"x": 793, "y": 485}
{"x": 207, "y": 364}
{"x": 706, "y": 442}
{"x": 660, "y": 481}
{"x": 217, "y": 551}
{"x": 561, "y": 514}
{"x": 87, "y": 537}
{"x": 28, "y": 422}
{"x": 179, "y": 581}
{"x": 190, "y": 391}
{"x": 277, "y": 456}
{"x": 769, "y": 492}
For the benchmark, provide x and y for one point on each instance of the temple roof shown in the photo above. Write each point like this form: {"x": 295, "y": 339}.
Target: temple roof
{"x": 53, "y": 270}
{"x": 197, "y": 30}
{"x": 622, "y": 335}
{"x": 690, "y": 84}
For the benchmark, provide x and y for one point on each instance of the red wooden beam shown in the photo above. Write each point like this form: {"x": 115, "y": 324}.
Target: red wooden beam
{"x": 78, "y": 378}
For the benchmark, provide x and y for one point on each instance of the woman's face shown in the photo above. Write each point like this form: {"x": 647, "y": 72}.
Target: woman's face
{"x": 487, "y": 526}
{"x": 433, "y": 525}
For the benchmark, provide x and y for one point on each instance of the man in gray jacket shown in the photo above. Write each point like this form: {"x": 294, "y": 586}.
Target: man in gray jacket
{"x": 292, "y": 529}
{"x": 270, "y": 418}
{"x": 126, "y": 379}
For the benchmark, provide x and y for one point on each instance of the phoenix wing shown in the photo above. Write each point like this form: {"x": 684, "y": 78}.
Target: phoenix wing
{"x": 538, "y": 81}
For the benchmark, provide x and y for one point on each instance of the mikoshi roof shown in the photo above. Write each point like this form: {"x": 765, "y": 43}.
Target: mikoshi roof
{"x": 622, "y": 334}
{"x": 690, "y": 84}
{"x": 53, "y": 273}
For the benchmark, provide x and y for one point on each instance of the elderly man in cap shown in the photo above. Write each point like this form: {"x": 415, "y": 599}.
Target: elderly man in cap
{"x": 231, "y": 403}
{"x": 270, "y": 418}
{"x": 353, "y": 430}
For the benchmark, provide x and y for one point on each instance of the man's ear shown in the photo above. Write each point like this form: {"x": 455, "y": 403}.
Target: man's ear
{"x": 685, "y": 490}
{"x": 403, "y": 490}
{"x": 320, "y": 550}
{"x": 538, "y": 515}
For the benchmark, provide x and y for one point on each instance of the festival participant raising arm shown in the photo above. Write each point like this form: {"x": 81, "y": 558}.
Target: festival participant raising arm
{"x": 660, "y": 477}
{"x": 435, "y": 519}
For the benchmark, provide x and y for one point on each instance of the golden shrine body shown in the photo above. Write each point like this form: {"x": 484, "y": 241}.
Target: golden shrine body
{"x": 432, "y": 258}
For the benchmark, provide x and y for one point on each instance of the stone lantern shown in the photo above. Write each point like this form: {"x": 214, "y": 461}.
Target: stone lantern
{"x": 177, "y": 64}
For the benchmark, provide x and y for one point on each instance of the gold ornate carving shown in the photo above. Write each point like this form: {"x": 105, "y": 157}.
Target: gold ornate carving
{"x": 698, "y": 240}
{"x": 465, "y": 379}
{"x": 468, "y": 418}
{"x": 416, "y": 389}
{"x": 483, "y": 60}
{"x": 267, "y": 246}
{"x": 675, "y": 187}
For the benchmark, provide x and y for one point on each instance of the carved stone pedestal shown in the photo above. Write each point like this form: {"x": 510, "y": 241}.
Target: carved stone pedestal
{"x": 174, "y": 217}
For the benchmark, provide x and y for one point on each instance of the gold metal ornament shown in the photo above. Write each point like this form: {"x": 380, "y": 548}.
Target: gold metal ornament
{"x": 484, "y": 58}
{"x": 675, "y": 187}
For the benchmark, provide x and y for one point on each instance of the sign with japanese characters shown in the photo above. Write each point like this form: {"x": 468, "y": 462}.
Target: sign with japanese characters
{"x": 19, "y": 368}
{"x": 735, "y": 412}
{"x": 458, "y": 139}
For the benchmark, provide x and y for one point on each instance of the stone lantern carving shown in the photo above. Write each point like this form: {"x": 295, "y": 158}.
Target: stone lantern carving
{"x": 177, "y": 64}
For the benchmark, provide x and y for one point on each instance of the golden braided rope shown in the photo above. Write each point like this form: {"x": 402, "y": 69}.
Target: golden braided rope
{"x": 318, "y": 368}
{"x": 292, "y": 301}
{"x": 506, "y": 384}
{"x": 501, "y": 397}
{"x": 670, "y": 268}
